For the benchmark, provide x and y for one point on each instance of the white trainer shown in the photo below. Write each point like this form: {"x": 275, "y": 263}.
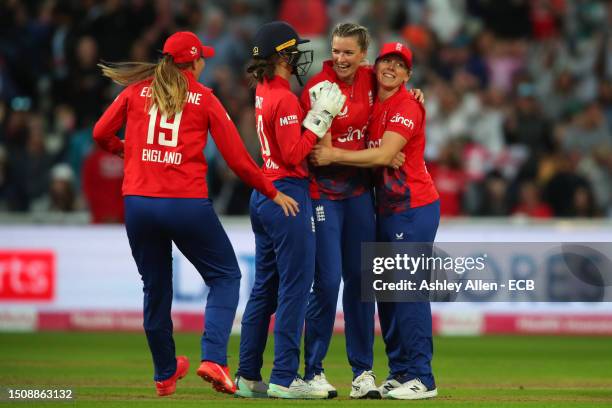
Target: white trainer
{"x": 387, "y": 386}
{"x": 412, "y": 390}
{"x": 320, "y": 382}
{"x": 299, "y": 389}
{"x": 364, "y": 386}
{"x": 250, "y": 389}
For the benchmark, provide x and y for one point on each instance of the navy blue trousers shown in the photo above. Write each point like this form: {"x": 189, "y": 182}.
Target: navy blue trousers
{"x": 284, "y": 270}
{"x": 341, "y": 227}
{"x": 406, "y": 326}
{"x": 152, "y": 225}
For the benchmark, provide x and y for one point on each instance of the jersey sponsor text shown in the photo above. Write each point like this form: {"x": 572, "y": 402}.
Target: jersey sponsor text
{"x": 404, "y": 121}
{"x": 289, "y": 120}
{"x": 352, "y": 134}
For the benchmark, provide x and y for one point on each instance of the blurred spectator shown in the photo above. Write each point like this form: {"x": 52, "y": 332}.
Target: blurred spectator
{"x": 230, "y": 53}
{"x": 3, "y": 178}
{"x": 494, "y": 201}
{"x": 587, "y": 132}
{"x": 518, "y": 93}
{"x": 450, "y": 180}
{"x": 568, "y": 193}
{"x": 28, "y": 166}
{"x": 62, "y": 196}
{"x": 530, "y": 203}
{"x": 488, "y": 128}
{"x": 527, "y": 125}
{"x": 102, "y": 180}
{"x": 309, "y": 18}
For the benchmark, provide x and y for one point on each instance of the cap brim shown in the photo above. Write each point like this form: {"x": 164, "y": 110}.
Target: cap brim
{"x": 302, "y": 41}
{"x": 208, "y": 52}
{"x": 399, "y": 54}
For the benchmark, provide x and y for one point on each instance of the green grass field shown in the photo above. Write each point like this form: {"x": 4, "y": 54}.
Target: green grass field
{"x": 115, "y": 370}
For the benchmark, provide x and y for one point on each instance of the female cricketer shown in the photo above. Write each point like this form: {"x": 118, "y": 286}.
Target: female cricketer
{"x": 408, "y": 210}
{"x": 168, "y": 115}
{"x": 344, "y": 218}
{"x": 285, "y": 247}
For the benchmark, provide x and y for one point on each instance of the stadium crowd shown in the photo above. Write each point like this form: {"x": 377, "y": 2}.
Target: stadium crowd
{"x": 518, "y": 95}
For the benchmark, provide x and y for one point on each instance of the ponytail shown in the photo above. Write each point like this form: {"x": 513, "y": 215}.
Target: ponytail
{"x": 169, "y": 86}
{"x": 262, "y": 68}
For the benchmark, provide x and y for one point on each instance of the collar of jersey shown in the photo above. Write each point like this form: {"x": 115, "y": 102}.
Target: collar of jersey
{"x": 400, "y": 94}
{"x": 328, "y": 69}
{"x": 279, "y": 81}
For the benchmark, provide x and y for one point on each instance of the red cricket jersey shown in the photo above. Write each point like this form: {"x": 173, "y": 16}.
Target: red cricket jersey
{"x": 348, "y": 131}
{"x": 164, "y": 156}
{"x": 279, "y": 116}
{"x": 411, "y": 185}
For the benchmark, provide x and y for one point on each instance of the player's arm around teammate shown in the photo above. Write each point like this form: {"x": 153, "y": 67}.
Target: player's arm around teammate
{"x": 168, "y": 115}
{"x": 344, "y": 218}
{"x": 408, "y": 210}
{"x": 284, "y": 252}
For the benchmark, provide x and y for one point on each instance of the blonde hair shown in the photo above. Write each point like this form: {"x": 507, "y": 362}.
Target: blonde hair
{"x": 361, "y": 33}
{"x": 168, "y": 88}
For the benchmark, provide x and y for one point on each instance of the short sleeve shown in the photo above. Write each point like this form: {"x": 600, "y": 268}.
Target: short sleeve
{"x": 405, "y": 118}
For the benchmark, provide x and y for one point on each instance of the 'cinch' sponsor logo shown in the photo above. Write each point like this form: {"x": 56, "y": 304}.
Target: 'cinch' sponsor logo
{"x": 404, "y": 121}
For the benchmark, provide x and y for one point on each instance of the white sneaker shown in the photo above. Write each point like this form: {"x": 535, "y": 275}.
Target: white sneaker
{"x": 364, "y": 386}
{"x": 387, "y": 386}
{"x": 320, "y": 382}
{"x": 250, "y": 389}
{"x": 299, "y": 389}
{"x": 412, "y": 390}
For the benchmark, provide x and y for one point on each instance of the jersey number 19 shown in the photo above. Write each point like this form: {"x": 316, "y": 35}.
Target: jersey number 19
{"x": 163, "y": 124}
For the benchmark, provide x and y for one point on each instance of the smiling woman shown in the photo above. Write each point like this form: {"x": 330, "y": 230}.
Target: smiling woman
{"x": 344, "y": 211}
{"x": 408, "y": 210}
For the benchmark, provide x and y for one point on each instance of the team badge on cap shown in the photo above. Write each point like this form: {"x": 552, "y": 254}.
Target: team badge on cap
{"x": 185, "y": 46}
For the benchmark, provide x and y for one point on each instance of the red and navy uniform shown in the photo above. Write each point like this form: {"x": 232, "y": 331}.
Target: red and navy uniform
{"x": 163, "y": 157}
{"x": 409, "y": 211}
{"x": 165, "y": 197}
{"x": 344, "y": 218}
{"x": 348, "y": 131}
{"x": 284, "y": 246}
{"x": 411, "y": 185}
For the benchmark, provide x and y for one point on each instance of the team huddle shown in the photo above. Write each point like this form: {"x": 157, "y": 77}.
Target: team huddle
{"x": 343, "y": 164}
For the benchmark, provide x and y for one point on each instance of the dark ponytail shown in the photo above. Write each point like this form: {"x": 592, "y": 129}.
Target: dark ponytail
{"x": 261, "y": 68}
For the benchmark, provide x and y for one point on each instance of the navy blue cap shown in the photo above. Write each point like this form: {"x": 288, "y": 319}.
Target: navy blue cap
{"x": 275, "y": 37}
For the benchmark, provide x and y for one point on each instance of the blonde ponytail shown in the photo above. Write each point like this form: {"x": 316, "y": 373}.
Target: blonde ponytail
{"x": 169, "y": 86}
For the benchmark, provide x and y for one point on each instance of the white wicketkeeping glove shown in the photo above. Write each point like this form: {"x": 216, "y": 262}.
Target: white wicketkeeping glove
{"x": 315, "y": 91}
{"x": 327, "y": 105}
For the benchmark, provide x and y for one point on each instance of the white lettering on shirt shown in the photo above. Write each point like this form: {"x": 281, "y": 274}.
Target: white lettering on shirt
{"x": 373, "y": 144}
{"x": 400, "y": 119}
{"x": 158, "y": 156}
{"x": 289, "y": 120}
{"x": 352, "y": 134}
{"x": 271, "y": 165}
{"x": 258, "y": 102}
{"x": 192, "y": 97}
